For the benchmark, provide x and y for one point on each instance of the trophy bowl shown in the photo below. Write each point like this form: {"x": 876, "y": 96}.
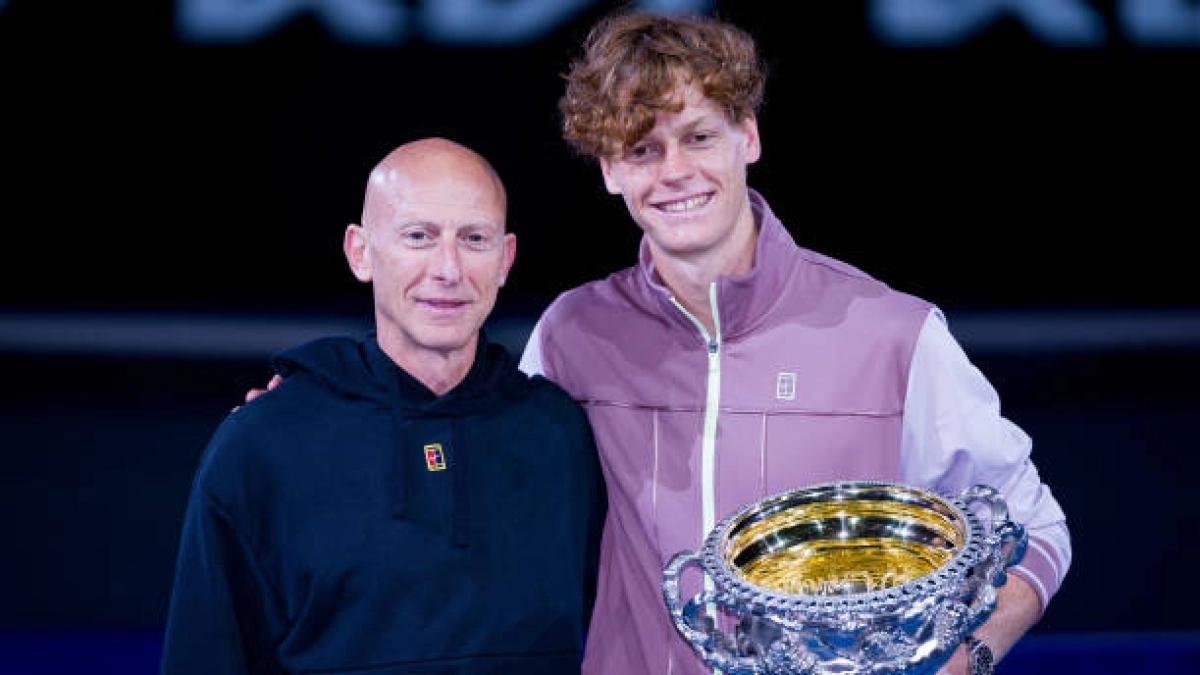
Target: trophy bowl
{"x": 846, "y": 577}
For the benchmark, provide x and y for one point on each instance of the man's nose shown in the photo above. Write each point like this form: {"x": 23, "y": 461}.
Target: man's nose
{"x": 447, "y": 264}
{"x": 676, "y": 163}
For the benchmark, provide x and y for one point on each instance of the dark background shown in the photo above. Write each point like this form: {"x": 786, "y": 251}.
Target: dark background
{"x": 143, "y": 170}
{"x": 172, "y": 212}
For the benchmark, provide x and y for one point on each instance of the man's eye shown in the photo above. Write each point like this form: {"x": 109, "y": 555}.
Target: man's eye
{"x": 478, "y": 241}
{"x": 417, "y": 239}
{"x": 639, "y": 152}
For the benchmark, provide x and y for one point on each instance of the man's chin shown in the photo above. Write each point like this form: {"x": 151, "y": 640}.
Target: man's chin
{"x": 448, "y": 339}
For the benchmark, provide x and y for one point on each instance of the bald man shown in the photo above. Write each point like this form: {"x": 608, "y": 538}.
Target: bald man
{"x": 407, "y": 500}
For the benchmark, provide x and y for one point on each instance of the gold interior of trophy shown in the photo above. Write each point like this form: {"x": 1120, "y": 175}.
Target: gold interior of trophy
{"x": 844, "y": 546}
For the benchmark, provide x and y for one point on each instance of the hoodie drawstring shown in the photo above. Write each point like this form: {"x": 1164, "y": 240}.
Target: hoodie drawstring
{"x": 400, "y": 460}
{"x": 462, "y": 494}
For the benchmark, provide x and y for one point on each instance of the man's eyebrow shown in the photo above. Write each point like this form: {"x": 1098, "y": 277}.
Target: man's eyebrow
{"x": 405, "y": 224}
{"x": 481, "y": 226}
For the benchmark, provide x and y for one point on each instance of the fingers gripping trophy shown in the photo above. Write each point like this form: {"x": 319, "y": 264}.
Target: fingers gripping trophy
{"x": 846, "y": 577}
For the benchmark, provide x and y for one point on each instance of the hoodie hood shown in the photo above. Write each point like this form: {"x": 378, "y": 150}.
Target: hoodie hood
{"x": 355, "y": 367}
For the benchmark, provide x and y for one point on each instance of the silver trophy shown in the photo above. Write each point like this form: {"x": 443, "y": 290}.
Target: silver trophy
{"x": 846, "y": 577}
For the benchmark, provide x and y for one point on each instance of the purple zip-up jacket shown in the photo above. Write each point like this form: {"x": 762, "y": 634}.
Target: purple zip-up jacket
{"x": 803, "y": 382}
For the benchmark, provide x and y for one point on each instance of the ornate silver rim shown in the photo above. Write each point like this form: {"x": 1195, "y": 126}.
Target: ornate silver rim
{"x": 945, "y": 580}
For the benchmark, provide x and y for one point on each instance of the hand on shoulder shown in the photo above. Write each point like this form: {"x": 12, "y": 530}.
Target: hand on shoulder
{"x": 255, "y": 392}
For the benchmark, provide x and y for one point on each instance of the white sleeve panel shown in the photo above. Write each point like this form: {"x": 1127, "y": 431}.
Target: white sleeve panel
{"x": 531, "y": 358}
{"x": 955, "y": 436}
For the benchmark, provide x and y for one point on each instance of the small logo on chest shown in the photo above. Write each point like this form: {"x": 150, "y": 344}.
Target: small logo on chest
{"x": 785, "y": 386}
{"x": 435, "y": 459}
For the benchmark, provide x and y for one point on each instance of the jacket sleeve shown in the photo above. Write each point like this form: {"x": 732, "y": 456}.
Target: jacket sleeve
{"x": 955, "y": 437}
{"x": 219, "y": 619}
{"x": 531, "y": 357}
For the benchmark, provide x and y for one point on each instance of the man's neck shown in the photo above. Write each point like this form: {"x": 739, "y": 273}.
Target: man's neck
{"x": 688, "y": 283}
{"x": 689, "y": 278}
{"x": 439, "y": 370}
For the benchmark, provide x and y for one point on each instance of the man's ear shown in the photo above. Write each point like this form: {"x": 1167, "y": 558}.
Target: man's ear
{"x": 510, "y": 255}
{"x": 354, "y": 245}
{"x": 753, "y": 142}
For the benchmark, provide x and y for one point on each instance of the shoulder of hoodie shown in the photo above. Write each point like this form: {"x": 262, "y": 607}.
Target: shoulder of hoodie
{"x": 545, "y": 392}
{"x": 257, "y": 438}
{"x": 557, "y": 410}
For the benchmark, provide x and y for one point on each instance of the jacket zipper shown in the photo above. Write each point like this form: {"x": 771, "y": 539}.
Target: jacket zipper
{"x": 711, "y": 406}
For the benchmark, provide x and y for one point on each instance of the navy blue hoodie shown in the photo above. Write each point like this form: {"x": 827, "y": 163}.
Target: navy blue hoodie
{"x": 350, "y": 521}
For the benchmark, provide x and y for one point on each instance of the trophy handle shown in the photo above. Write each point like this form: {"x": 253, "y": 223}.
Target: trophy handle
{"x": 712, "y": 645}
{"x": 1010, "y": 536}
{"x": 1006, "y": 539}
{"x": 670, "y": 588}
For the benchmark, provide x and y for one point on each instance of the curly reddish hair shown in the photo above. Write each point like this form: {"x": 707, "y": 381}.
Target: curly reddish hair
{"x": 633, "y": 66}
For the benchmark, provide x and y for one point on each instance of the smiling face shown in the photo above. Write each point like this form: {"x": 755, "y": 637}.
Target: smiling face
{"x": 433, "y": 244}
{"x": 684, "y": 182}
